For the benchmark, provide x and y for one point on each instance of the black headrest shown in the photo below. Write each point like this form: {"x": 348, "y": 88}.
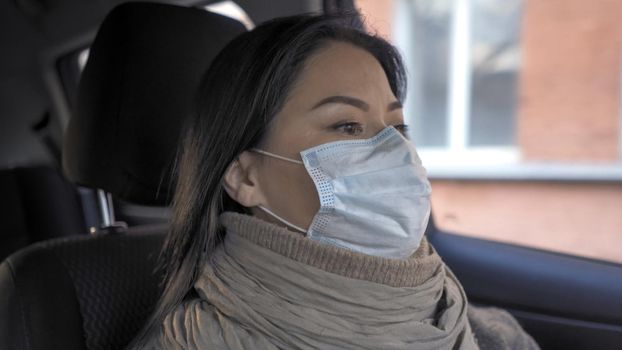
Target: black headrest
{"x": 137, "y": 88}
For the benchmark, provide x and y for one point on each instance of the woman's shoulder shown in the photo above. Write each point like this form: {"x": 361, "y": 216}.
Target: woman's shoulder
{"x": 496, "y": 328}
{"x": 179, "y": 325}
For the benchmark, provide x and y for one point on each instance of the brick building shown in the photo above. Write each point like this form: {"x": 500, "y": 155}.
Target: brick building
{"x": 558, "y": 182}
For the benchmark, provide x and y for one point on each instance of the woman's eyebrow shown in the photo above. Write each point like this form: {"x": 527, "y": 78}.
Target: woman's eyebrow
{"x": 360, "y": 104}
{"x": 352, "y": 101}
{"x": 394, "y": 105}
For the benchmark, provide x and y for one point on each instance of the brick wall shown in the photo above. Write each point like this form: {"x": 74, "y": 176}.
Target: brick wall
{"x": 574, "y": 218}
{"x": 570, "y": 80}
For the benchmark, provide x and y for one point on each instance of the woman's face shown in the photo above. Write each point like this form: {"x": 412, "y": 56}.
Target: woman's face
{"x": 341, "y": 94}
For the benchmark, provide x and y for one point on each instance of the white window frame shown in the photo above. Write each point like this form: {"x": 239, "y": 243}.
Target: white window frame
{"x": 457, "y": 153}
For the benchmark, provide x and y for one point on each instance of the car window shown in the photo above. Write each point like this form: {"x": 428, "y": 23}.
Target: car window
{"x": 231, "y": 9}
{"x": 515, "y": 109}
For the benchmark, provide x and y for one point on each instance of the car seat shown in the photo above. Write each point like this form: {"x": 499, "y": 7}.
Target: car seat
{"x": 95, "y": 291}
{"x": 37, "y": 203}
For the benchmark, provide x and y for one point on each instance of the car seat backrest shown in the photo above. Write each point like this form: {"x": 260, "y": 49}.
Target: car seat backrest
{"x": 37, "y": 203}
{"x": 89, "y": 292}
{"x": 94, "y": 292}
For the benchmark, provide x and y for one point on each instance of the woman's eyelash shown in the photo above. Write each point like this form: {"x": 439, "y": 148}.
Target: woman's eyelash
{"x": 403, "y": 128}
{"x": 350, "y": 128}
{"x": 353, "y": 128}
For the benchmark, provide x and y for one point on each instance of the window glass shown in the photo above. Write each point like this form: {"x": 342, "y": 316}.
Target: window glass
{"x": 82, "y": 58}
{"x": 463, "y": 58}
{"x": 515, "y": 109}
{"x": 426, "y": 25}
{"x": 231, "y": 9}
{"x": 495, "y": 58}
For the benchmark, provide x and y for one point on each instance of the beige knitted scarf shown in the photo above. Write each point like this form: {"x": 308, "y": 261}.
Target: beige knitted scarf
{"x": 268, "y": 288}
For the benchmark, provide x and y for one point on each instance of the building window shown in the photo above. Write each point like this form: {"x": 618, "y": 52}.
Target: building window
{"x": 463, "y": 59}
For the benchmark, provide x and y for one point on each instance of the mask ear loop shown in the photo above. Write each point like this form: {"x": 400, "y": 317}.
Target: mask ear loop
{"x": 266, "y": 153}
{"x": 268, "y": 211}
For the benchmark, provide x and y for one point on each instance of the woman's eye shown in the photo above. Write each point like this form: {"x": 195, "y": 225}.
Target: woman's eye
{"x": 349, "y": 128}
{"x": 402, "y": 128}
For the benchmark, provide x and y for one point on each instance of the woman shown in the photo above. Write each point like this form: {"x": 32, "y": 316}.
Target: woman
{"x": 301, "y": 206}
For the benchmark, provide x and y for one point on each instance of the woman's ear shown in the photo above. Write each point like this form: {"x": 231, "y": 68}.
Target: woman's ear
{"x": 240, "y": 180}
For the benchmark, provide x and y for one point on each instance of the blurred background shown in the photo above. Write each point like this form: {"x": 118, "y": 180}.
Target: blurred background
{"x": 515, "y": 108}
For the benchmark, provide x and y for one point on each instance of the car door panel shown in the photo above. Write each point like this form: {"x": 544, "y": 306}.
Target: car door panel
{"x": 561, "y": 300}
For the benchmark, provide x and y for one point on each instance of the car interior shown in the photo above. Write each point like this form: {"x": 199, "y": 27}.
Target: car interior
{"x": 80, "y": 234}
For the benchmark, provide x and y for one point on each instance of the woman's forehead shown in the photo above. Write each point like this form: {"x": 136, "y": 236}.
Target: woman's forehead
{"x": 341, "y": 68}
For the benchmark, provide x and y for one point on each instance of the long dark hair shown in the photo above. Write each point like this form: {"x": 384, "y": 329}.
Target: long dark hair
{"x": 244, "y": 88}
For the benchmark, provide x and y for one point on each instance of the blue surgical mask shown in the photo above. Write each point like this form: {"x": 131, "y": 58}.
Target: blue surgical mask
{"x": 374, "y": 194}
